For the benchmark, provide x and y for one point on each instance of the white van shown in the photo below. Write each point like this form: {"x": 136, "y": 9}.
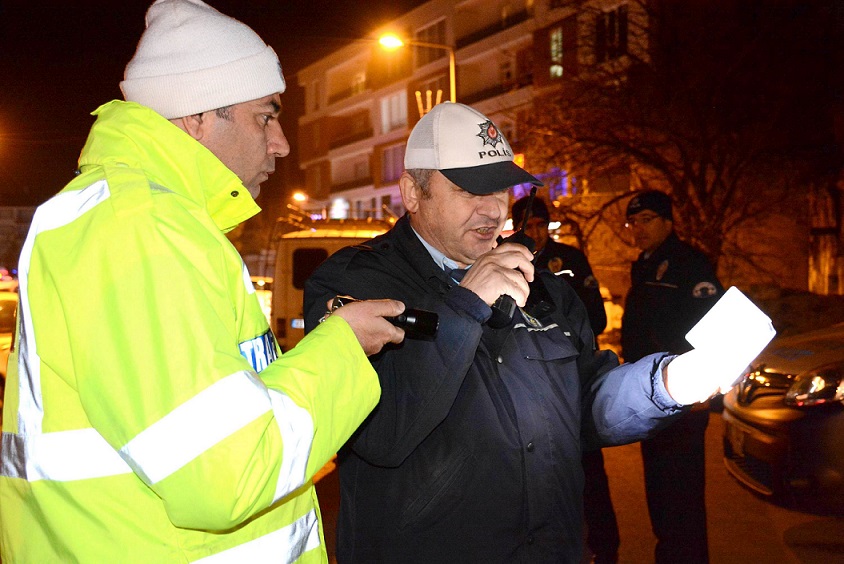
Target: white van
{"x": 298, "y": 254}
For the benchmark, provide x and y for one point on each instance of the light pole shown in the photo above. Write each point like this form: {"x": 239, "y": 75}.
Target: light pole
{"x": 390, "y": 41}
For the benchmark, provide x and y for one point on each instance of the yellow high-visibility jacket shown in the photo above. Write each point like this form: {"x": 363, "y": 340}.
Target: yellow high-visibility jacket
{"x": 149, "y": 416}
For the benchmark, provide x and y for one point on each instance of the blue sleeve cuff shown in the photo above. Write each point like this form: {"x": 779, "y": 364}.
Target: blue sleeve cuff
{"x": 661, "y": 397}
{"x": 463, "y": 300}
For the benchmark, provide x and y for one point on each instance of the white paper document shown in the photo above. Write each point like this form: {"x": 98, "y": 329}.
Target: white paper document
{"x": 734, "y": 331}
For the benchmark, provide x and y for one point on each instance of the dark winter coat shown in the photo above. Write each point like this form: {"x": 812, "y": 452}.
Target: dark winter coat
{"x": 558, "y": 258}
{"x": 670, "y": 291}
{"x": 473, "y": 453}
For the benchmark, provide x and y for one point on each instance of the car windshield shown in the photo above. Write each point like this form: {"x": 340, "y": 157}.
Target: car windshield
{"x": 7, "y": 316}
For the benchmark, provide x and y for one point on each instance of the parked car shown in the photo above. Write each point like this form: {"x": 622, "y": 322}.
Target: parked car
{"x": 784, "y": 431}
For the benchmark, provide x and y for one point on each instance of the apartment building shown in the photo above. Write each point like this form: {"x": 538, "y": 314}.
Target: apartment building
{"x": 362, "y": 101}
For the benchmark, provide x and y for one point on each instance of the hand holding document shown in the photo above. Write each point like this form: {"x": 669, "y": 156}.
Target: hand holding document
{"x": 725, "y": 341}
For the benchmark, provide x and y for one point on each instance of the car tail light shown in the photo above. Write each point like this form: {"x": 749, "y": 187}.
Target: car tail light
{"x": 820, "y": 386}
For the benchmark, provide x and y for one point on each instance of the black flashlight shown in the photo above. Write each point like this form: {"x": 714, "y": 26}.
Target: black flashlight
{"x": 417, "y": 323}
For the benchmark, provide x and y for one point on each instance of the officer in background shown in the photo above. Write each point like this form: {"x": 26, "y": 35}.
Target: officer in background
{"x": 602, "y": 537}
{"x": 559, "y": 258}
{"x": 672, "y": 286}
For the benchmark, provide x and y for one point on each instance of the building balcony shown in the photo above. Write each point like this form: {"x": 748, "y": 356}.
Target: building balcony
{"x": 497, "y": 27}
{"x": 348, "y": 92}
{"x": 351, "y": 138}
{"x": 356, "y": 183}
{"x": 497, "y": 89}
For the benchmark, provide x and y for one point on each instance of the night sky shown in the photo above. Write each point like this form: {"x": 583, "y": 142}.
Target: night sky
{"x": 59, "y": 60}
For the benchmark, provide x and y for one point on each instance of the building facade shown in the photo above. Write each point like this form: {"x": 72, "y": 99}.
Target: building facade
{"x": 362, "y": 101}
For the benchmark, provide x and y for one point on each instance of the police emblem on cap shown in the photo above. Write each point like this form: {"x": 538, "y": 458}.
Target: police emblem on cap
{"x": 489, "y": 133}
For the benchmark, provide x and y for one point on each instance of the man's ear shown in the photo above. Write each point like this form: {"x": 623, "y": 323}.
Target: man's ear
{"x": 194, "y": 125}
{"x": 410, "y": 192}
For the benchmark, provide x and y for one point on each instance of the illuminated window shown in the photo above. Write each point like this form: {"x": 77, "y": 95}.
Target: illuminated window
{"x": 393, "y": 112}
{"x": 358, "y": 82}
{"x": 556, "y": 46}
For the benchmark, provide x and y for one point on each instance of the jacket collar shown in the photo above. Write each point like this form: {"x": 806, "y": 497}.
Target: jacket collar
{"x": 663, "y": 249}
{"x": 131, "y": 135}
{"x": 417, "y": 255}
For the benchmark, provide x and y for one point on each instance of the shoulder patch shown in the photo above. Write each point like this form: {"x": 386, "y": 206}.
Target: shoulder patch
{"x": 704, "y": 290}
{"x": 590, "y": 282}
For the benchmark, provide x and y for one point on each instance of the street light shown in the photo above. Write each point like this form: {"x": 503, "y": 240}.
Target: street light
{"x": 391, "y": 42}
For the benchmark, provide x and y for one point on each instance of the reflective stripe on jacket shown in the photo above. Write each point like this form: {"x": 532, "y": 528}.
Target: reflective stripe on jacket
{"x": 137, "y": 428}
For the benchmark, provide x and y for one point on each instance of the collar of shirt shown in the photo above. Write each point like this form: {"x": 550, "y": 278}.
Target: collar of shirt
{"x": 442, "y": 261}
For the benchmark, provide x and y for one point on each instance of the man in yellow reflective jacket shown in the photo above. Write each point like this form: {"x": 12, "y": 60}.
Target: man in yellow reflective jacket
{"x": 149, "y": 415}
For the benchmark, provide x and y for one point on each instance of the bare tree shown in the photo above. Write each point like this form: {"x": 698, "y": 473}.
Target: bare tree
{"x": 724, "y": 104}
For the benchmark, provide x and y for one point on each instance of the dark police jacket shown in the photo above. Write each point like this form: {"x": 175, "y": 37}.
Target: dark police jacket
{"x": 559, "y": 257}
{"x": 473, "y": 453}
{"x": 670, "y": 291}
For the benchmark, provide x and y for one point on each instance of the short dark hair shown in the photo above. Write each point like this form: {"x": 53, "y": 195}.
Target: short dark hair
{"x": 422, "y": 178}
{"x": 224, "y": 113}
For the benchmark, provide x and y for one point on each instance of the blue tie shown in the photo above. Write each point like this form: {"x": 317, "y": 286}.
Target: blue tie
{"x": 457, "y": 274}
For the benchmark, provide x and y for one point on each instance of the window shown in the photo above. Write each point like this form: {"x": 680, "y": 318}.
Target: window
{"x": 314, "y": 180}
{"x": 506, "y": 73}
{"x": 611, "y": 34}
{"x": 393, "y": 112}
{"x": 362, "y": 169}
{"x": 313, "y": 94}
{"x": 316, "y": 135}
{"x": 358, "y": 82}
{"x": 434, "y": 33}
{"x": 359, "y": 123}
{"x": 392, "y": 163}
{"x": 555, "y": 40}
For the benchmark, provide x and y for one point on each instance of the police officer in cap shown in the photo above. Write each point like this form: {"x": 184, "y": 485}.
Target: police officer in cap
{"x": 559, "y": 258}
{"x": 672, "y": 286}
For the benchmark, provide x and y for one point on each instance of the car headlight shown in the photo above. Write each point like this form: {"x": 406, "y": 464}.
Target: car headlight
{"x": 819, "y": 386}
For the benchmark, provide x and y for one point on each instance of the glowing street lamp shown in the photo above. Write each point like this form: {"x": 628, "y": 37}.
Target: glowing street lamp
{"x": 392, "y": 42}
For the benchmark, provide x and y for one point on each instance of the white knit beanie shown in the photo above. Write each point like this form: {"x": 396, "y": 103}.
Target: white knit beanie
{"x": 192, "y": 59}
